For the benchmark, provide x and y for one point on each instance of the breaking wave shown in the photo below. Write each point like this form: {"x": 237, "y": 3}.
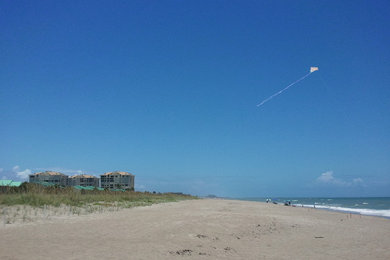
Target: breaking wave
{"x": 369, "y": 212}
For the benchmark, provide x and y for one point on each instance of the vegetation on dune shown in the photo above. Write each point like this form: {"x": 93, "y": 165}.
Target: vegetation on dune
{"x": 38, "y": 196}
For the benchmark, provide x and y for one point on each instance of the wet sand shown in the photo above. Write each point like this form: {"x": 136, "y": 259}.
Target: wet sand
{"x": 201, "y": 229}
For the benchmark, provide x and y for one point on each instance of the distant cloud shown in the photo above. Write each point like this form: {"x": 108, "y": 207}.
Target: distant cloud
{"x": 5, "y": 174}
{"x": 329, "y": 179}
{"x": 326, "y": 177}
{"x": 2, "y": 177}
{"x": 357, "y": 181}
{"x": 21, "y": 174}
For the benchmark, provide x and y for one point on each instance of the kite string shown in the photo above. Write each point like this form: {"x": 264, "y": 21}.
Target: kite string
{"x": 281, "y": 91}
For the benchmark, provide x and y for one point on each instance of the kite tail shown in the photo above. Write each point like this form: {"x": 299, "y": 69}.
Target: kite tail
{"x": 281, "y": 91}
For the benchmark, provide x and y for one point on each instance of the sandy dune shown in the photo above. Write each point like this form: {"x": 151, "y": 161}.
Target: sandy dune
{"x": 201, "y": 229}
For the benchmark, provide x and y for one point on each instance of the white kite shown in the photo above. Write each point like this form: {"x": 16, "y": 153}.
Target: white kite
{"x": 312, "y": 69}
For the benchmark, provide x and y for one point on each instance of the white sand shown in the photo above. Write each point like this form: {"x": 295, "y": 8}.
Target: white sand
{"x": 201, "y": 229}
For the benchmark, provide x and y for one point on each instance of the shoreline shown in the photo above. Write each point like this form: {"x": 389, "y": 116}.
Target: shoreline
{"x": 347, "y": 212}
{"x": 382, "y": 213}
{"x": 202, "y": 229}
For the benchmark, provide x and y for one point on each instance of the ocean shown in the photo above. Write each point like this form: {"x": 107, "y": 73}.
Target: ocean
{"x": 364, "y": 206}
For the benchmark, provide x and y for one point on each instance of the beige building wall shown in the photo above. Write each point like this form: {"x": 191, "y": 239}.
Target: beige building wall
{"x": 84, "y": 180}
{"x": 117, "y": 180}
{"x": 56, "y": 178}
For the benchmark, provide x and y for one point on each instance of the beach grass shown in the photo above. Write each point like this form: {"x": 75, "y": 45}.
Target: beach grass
{"x": 38, "y": 196}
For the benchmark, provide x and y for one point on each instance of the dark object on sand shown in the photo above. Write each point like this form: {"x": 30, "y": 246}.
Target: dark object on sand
{"x": 274, "y": 202}
{"x": 287, "y": 203}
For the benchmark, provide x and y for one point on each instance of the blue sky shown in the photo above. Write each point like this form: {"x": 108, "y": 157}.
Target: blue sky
{"x": 168, "y": 90}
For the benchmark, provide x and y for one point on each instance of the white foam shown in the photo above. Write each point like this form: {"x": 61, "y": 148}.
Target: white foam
{"x": 370, "y": 212}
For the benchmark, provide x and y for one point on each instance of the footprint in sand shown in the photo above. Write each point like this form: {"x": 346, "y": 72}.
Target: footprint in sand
{"x": 204, "y": 236}
{"x": 182, "y": 252}
{"x": 229, "y": 249}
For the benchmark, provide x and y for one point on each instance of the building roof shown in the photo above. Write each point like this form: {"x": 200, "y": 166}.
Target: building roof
{"x": 10, "y": 183}
{"x": 117, "y": 173}
{"x": 5, "y": 182}
{"x": 83, "y": 176}
{"x": 48, "y": 173}
{"x": 15, "y": 183}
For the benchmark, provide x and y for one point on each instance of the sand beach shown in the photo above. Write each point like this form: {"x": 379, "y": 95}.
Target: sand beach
{"x": 201, "y": 229}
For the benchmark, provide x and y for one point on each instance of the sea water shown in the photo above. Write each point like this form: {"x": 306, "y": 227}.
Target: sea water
{"x": 364, "y": 206}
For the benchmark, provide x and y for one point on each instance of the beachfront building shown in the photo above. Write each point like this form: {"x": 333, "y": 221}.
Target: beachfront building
{"x": 117, "y": 180}
{"x": 49, "y": 177}
{"x": 84, "y": 180}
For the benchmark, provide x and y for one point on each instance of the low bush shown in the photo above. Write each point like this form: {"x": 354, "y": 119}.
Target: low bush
{"x": 37, "y": 196}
